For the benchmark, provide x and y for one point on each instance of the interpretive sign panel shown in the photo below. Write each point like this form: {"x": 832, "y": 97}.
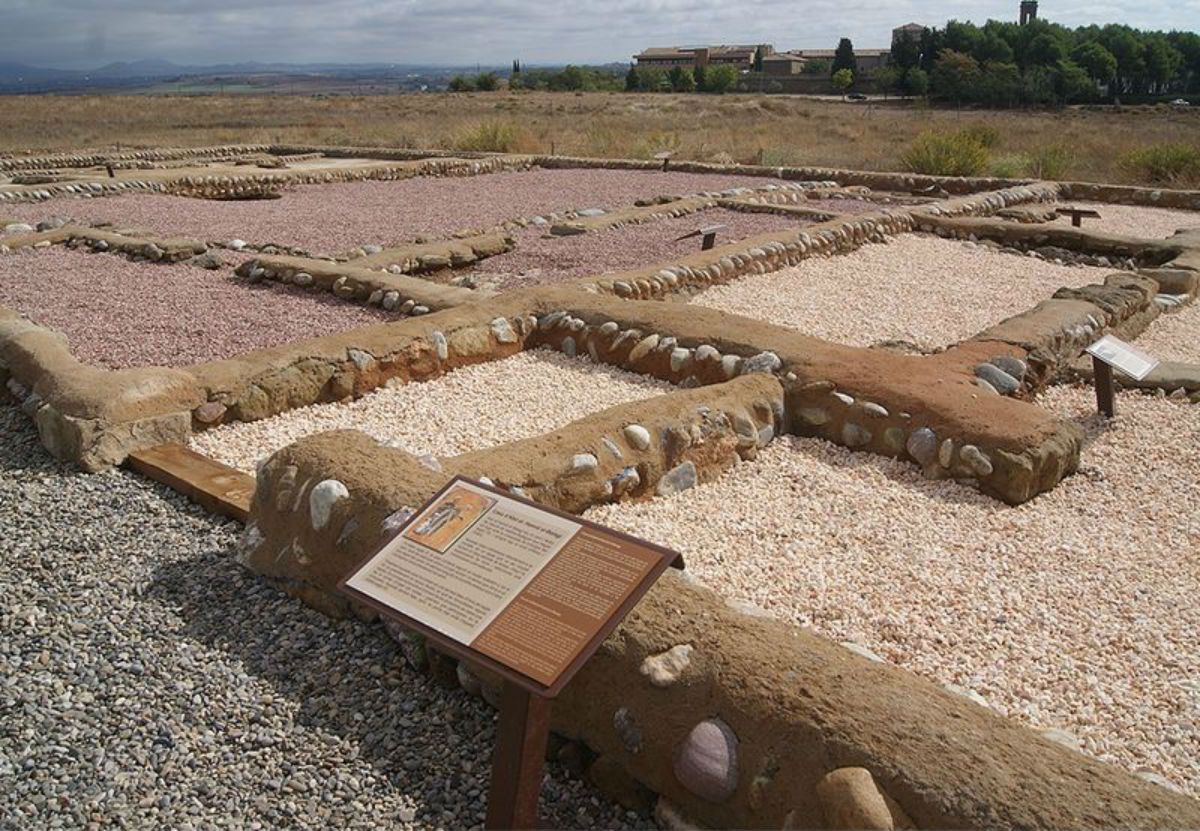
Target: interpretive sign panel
{"x": 1121, "y": 355}
{"x": 525, "y": 590}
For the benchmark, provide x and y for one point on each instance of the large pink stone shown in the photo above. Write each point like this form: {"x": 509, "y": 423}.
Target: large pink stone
{"x": 706, "y": 761}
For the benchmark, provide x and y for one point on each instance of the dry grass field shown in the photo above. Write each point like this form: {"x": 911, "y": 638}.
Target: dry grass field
{"x": 1087, "y": 144}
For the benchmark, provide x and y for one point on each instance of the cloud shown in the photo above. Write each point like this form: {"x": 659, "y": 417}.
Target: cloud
{"x": 86, "y": 33}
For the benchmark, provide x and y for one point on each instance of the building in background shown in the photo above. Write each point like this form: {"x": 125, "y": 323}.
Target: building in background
{"x": 912, "y": 30}
{"x": 739, "y": 56}
{"x": 868, "y": 60}
{"x": 1028, "y": 11}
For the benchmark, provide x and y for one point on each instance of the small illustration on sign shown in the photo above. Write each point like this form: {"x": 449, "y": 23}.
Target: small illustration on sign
{"x": 448, "y": 519}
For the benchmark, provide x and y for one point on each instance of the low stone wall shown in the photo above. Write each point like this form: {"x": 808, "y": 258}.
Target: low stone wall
{"x": 905, "y": 182}
{"x": 769, "y": 252}
{"x": 356, "y": 283}
{"x": 230, "y": 185}
{"x": 85, "y": 414}
{"x": 633, "y": 216}
{"x": 155, "y": 249}
{"x": 1052, "y": 335}
{"x": 926, "y": 410}
{"x": 1031, "y": 236}
{"x": 708, "y": 713}
{"x": 104, "y": 157}
{"x": 1132, "y": 195}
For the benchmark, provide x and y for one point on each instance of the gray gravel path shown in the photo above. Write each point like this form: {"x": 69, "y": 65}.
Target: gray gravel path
{"x": 149, "y": 682}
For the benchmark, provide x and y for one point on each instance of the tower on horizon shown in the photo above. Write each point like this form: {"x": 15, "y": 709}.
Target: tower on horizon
{"x": 1028, "y": 11}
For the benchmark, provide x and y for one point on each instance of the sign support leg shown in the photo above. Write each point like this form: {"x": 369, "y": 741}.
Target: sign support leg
{"x": 1105, "y": 397}
{"x": 518, "y": 759}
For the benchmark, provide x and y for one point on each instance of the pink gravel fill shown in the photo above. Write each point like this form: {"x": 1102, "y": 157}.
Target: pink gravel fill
{"x": 330, "y": 219}
{"x": 540, "y": 258}
{"x": 118, "y": 313}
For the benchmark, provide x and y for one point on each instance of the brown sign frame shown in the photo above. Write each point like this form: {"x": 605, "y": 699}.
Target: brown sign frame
{"x": 667, "y": 558}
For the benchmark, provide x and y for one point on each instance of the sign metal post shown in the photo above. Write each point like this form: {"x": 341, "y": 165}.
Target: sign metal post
{"x": 1111, "y": 352}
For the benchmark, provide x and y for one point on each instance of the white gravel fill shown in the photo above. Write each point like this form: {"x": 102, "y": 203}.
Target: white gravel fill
{"x": 469, "y": 409}
{"x": 1076, "y": 611}
{"x": 928, "y": 291}
{"x": 1174, "y": 336}
{"x": 1134, "y": 221}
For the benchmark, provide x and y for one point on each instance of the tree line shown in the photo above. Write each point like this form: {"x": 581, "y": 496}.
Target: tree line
{"x": 1005, "y": 64}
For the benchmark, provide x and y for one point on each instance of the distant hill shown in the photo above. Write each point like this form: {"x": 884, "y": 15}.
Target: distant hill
{"x": 19, "y": 77}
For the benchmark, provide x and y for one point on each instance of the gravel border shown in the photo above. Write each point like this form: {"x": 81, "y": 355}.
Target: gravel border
{"x": 1075, "y": 611}
{"x": 148, "y": 681}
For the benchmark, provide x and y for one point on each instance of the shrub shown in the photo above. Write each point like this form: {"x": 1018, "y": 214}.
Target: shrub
{"x": 487, "y": 82}
{"x": 460, "y": 84}
{"x": 985, "y": 134}
{"x": 1166, "y": 164}
{"x": 488, "y": 137}
{"x": 1050, "y": 161}
{"x": 946, "y": 154}
{"x": 1012, "y": 166}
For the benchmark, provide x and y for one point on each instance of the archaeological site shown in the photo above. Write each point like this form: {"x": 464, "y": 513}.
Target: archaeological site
{"x": 926, "y": 583}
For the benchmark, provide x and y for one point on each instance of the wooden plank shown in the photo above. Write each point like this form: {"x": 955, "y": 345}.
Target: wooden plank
{"x": 215, "y": 486}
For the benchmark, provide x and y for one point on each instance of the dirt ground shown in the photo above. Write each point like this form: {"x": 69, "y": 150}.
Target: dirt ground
{"x": 777, "y": 129}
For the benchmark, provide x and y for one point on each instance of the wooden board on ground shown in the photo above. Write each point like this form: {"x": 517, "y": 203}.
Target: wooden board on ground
{"x": 215, "y": 486}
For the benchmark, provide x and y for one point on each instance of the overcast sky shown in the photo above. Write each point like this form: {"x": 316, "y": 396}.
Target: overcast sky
{"x": 80, "y": 34}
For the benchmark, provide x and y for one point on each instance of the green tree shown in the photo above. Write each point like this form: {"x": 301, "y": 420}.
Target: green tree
{"x": 700, "y": 73}
{"x": 916, "y": 82}
{"x": 682, "y": 80}
{"x": 487, "y": 82}
{"x": 461, "y": 84}
{"x": 999, "y": 84}
{"x": 992, "y": 48}
{"x": 1045, "y": 50}
{"x": 1163, "y": 62}
{"x": 843, "y": 79}
{"x": 1097, "y": 62}
{"x": 633, "y": 79}
{"x": 759, "y": 53}
{"x": 955, "y": 76}
{"x": 1073, "y": 84}
{"x": 888, "y": 79}
{"x": 906, "y": 52}
{"x": 843, "y": 57}
{"x": 817, "y": 67}
{"x": 720, "y": 79}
